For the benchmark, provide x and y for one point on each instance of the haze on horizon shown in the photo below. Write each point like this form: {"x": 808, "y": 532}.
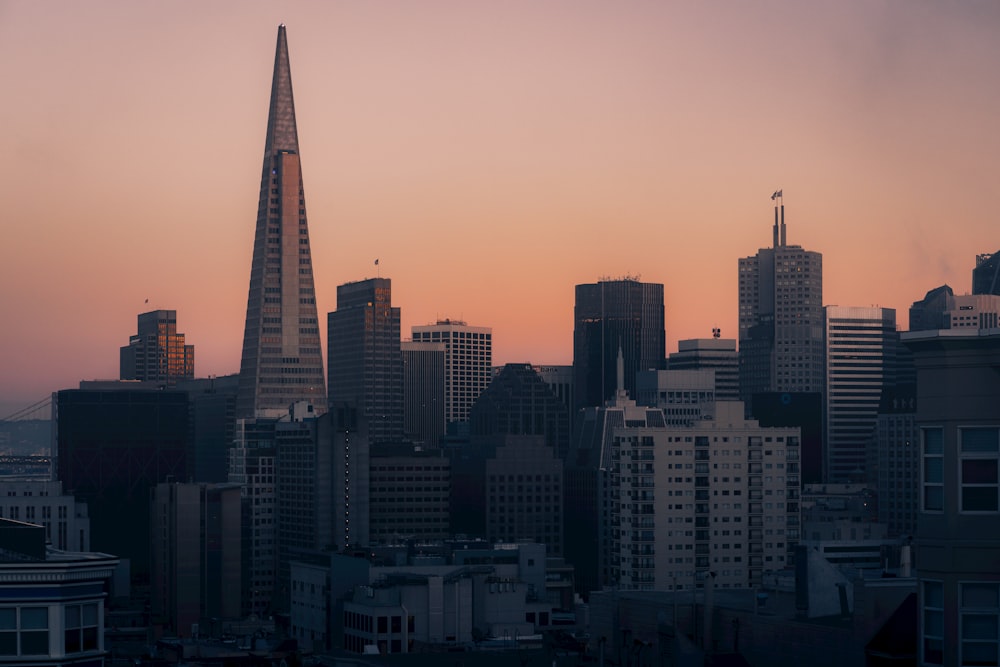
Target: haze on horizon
{"x": 490, "y": 155}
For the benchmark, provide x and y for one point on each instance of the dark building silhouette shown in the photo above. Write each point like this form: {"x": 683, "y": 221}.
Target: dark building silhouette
{"x": 897, "y": 460}
{"x": 928, "y": 314}
{"x": 957, "y": 541}
{"x": 506, "y": 482}
{"x": 113, "y": 447}
{"x": 212, "y": 426}
{"x": 282, "y": 360}
{"x": 802, "y": 409}
{"x": 423, "y": 392}
{"x": 409, "y": 496}
{"x": 519, "y": 402}
{"x": 365, "y": 366}
{"x": 609, "y": 315}
{"x": 196, "y": 555}
{"x": 780, "y": 318}
{"x": 157, "y": 353}
{"x": 986, "y": 275}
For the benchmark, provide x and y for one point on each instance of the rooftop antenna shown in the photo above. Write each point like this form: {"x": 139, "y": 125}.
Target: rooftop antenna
{"x": 779, "y": 240}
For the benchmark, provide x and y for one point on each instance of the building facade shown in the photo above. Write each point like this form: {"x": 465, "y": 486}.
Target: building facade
{"x": 715, "y": 354}
{"x": 52, "y": 602}
{"x": 41, "y": 502}
{"x": 860, "y": 364}
{"x": 898, "y": 462}
{"x": 196, "y": 555}
{"x": 957, "y": 543}
{"x": 409, "y": 497}
{"x": 157, "y": 352}
{"x": 609, "y": 316}
{"x": 365, "y": 365}
{"x": 720, "y": 495}
{"x": 986, "y": 275}
{"x": 468, "y": 362}
{"x": 423, "y": 392}
{"x": 113, "y": 446}
{"x": 780, "y": 318}
{"x": 282, "y": 360}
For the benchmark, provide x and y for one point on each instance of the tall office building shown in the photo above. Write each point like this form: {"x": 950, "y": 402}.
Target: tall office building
{"x": 519, "y": 402}
{"x": 157, "y": 353}
{"x": 195, "y": 555}
{"x": 321, "y": 487}
{"x": 282, "y": 361}
{"x": 423, "y": 392}
{"x": 113, "y": 446}
{"x": 610, "y": 315}
{"x": 715, "y": 354}
{"x": 252, "y": 466}
{"x": 468, "y": 362}
{"x": 986, "y": 275}
{"x": 780, "y": 318}
{"x": 365, "y": 365}
{"x": 860, "y": 363}
{"x": 928, "y": 313}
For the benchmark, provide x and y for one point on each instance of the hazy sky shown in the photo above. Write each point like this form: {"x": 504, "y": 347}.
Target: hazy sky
{"x": 491, "y": 155}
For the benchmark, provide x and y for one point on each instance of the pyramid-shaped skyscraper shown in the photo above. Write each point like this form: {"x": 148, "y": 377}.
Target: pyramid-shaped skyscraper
{"x": 282, "y": 359}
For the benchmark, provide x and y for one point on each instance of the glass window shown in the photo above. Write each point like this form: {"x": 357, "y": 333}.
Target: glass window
{"x": 979, "y": 467}
{"x": 932, "y": 622}
{"x": 980, "y": 623}
{"x": 932, "y": 440}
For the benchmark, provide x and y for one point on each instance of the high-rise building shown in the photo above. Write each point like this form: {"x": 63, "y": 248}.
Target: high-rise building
{"x": 252, "y": 466}
{"x": 898, "y": 460}
{"x": 780, "y": 318}
{"x": 610, "y": 315}
{"x": 860, "y": 363}
{"x": 737, "y": 516}
{"x": 519, "y": 402}
{"x": 282, "y": 360}
{"x": 957, "y": 542}
{"x": 716, "y": 354}
{"x": 423, "y": 392}
{"x": 468, "y": 362}
{"x": 928, "y": 313}
{"x": 986, "y": 275}
{"x": 157, "y": 353}
{"x": 409, "y": 494}
{"x": 321, "y": 486}
{"x": 113, "y": 446}
{"x": 196, "y": 555}
{"x": 365, "y": 365}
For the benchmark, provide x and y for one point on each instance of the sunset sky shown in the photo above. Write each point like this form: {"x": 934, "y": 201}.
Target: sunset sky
{"x": 491, "y": 155}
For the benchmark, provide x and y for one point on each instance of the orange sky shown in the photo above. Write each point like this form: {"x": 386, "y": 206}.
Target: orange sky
{"x": 491, "y": 155}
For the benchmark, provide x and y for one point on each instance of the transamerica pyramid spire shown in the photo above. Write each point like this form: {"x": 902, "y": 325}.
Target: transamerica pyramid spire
{"x": 282, "y": 360}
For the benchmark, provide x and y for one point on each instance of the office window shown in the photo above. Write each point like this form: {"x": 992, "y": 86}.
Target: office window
{"x": 979, "y": 450}
{"x": 932, "y": 622}
{"x": 932, "y": 447}
{"x": 980, "y": 623}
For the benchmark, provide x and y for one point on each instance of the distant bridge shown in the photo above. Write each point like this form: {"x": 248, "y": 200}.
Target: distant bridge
{"x": 39, "y": 410}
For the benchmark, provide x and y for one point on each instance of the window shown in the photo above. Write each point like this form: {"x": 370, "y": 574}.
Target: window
{"x": 24, "y": 631}
{"x": 81, "y": 628}
{"x": 932, "y": 445}
{"x": 980, "y": 623}
{"x": 932, "y": 622}
{"x": 979, "y": 449}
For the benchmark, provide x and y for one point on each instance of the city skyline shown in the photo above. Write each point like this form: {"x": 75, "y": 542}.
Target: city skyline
{"x": 491, "y": 158}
